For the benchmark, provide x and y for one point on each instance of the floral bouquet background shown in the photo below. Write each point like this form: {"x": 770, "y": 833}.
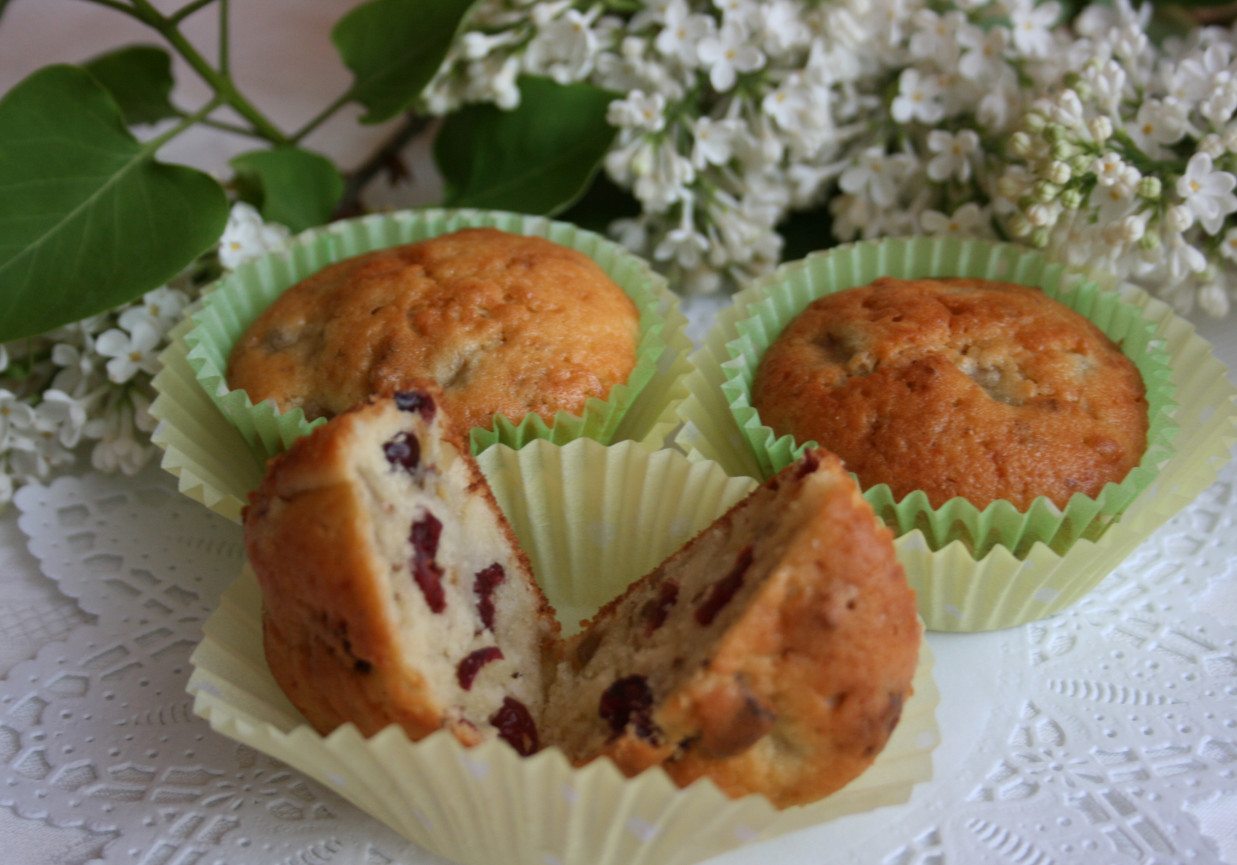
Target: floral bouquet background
{"x": 714, "y": 137}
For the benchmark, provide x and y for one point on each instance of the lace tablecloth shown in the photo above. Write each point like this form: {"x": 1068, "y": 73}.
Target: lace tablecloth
{"x": 1105, "y": 734}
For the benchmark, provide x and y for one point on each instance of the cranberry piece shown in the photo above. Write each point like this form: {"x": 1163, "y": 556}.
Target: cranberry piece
{"x": 724, "y": 590}
{"x": 627, "y": 702}
{"x": 487, "y": 580}
{"x": 656, "y": 609}
{"x": 516, "y": 727}
{"x": 808, "y": 463}
{"x": 424, "y": 536}
{"x": 416, "y": 400}
{"x": 403, "y": 450}
{"x": 471, "y": 665}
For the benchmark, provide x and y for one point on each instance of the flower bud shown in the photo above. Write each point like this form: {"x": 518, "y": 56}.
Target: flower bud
{"x": 1101, "y": 128}
{"x": 1080, "y": 163}
{"x": 1020, "y": 144}
{"x": 1055, "y": 132}
{"x": 1149, "y": 241}
{"x": 1072, "y": 199}
{"x": 1009, "y": 187}
{"x": 1150, "y": 188}
{"x": 1034, "y": 122}
{"x": 1039, "y": 238}
{"x": 1046, "y": 191}
{"x": 1212, "y": 145}
{"x": 1230, "y": 139}
{"x": 1064, "y": 150}
{"x": 1041, "y": 215}
{"x": 1059, "y": 173}
{"x": 1019, "y": 226}
{"x": 1178, "y": 218}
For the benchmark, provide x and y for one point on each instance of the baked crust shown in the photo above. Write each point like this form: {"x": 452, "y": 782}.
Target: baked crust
{"x": 504, "y": 324}
{"x": 957, "y": 387}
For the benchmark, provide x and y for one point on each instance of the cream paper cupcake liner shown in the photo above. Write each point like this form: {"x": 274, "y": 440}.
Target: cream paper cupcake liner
{"x": 636, "y": 409}
{"x": 1004, "y": 585}
{"x": 591, "y": 518}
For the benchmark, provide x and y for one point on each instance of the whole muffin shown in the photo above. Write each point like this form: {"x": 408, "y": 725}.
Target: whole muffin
{"x": 503, "y": 323}
{"x": 957, "y": 387}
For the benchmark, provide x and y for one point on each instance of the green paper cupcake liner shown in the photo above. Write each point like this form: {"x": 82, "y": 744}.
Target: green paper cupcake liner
{"x": 592, "y": 518}
{"x": 960, "y": 559}
{"x": 634, "y": 409}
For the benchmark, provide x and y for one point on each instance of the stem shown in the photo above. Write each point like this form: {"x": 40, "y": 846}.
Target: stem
{"x": 224, "y": 40}
{"x": 185, "y": 11}
{"x": 412, "y": 126}
{"x": 321, "y": 117}
{"x": 221, "y": 83}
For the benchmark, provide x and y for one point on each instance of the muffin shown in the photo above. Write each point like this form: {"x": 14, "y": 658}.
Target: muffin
{"x": 393, "y": 588}
{"x": 504, "y": 324}
{"x": 772, "y": 653}
{"x": 591, "y": 518}
{"x": 957, "y": 387}
{"x": 775, "y": 649}
{"x": 638, "y": 407}
{"x": 972, "y": 567}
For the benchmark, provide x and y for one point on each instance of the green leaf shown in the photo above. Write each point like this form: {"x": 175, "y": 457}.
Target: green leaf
{"x": 88, "y": 218}
{"x": 538, "y": 158}
{"x": 602, "y": 203}
{"x": 394, "y": 48}
{"x": 288, "y": 185}
{"x": 140, "y": 80}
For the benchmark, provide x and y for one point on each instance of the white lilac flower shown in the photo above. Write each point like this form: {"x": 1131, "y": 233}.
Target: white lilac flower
{"x": 728, "y": 54}
{"x": 16, "y": 418}
{"x": 563, "y": 48}
{"x": 1207, "y": 192}
{"x": 164, "y": 305}
{"x": 79, "y": 367}
{"x": 1228, "y": 247}
{"x": 983, "y": 53}
{"x": 918, "y": 99}
{"x": 131, "y": 351}
{"x": 782, "y": 27}
{"x": 246, "y": 237}
{"x": 713, "y": 140}
{"x": 61, "y": 416}
{"x": 639, "y": 110}
{"x": 936, "y": 36}
{"x": 682, "y": 32}
{"x": 1213, "y": 300}
{"x": 969, "y": 220}
{"x": 877, "y": 174}
{"x": 1031, "y": 27}
{"x": 1158, "y": 123}
{"x": 953, "y": 154}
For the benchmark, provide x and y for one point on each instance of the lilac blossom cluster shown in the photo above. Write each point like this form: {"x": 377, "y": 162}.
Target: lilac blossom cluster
{"x": 899, "y": 116}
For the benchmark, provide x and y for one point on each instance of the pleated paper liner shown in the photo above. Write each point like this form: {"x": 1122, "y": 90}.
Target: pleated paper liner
{"x": 980, "y": 570}
{"x": 632, "y": 410}
{"x": 592, "y": 518}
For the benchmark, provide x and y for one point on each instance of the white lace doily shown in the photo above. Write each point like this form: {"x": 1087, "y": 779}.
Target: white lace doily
{"x": 1105, "y": 734}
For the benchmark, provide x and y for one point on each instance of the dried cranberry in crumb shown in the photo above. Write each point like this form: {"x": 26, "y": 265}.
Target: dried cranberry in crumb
{"x": 628, "y": 701}
{"x": 403, "y": 450}
{"x": 424, "y": 536}
{"x": 809, "y": 462}
{"x": 486, "y": 582}
{"x": 415, "y": 400}
{"x": 516, "y": 727}
{"x": 721, "y": 592}
{"x": 471, "y": 665}
{"x": 655, "y": 610}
